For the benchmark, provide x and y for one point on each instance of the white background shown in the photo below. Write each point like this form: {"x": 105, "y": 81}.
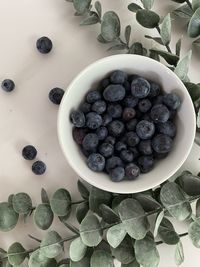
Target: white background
{"x": 28, "y": 117}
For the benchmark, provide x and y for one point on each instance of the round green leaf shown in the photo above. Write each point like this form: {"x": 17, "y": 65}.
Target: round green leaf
{"x": 51, "y": 245}
{"x": 61, "y": 202}
{"x": 146, "y": 252}
{"x": 134, "y": 7}
{"x": 16, "y": 254}
{"x": 158, "y": 221}
{"x": 77, "y": 249}
{"x": 147, "y": 18}
{"x": 194, "y": 233}
{"x": 189, "y": 183}
{"x": 148, "y": 4}
{"x": 166, "y": 30}
{"x": 81, "y": 211}
{"x": 167, "y": 232}
{"x": 110, "y": 26}
{"x": 182, "y": 68}
{"x": 81, "y": 6}
{"x": 133, "y": 218}
{"x": 22, "y": 203}
{"x": 39, "y": 260}
{"x": 83, "y": 190}
{"x": 148, "y": 202}
{"x": 85, "y": 262}
{"x": 10, "y": 199}
{"x": 108, "y": 215}
{"x": 101, "y": 258}
{"x": 8, "y": 217}
{"x": 198, "y": 208}
{"x": 132, "y": 264}
{"x": 44, "y": 196}
{"x": 194, "y": 24}
{"x": 115, "y": 235}
{"x": 43, "y": 216}
{"x": 179, "y": 254}
{"x": 90, "y": 231}
{"x": 168, "y": 57}
{"x": 175, "y": 201}
{"x": 195, "y": 4}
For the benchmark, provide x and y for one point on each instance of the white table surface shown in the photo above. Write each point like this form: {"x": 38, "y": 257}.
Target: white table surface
{"x": 28, "y": 117}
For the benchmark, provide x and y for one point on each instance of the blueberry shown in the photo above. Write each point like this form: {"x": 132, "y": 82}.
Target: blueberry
{"x": 8, "y": 85}
{"x": 93, "y": 96}
{"x": 99, "y": 106}
{"x": 106, "y": 119}
{"x": 128, "y": 114}
{"x": 131, "y": 125}
{"x": 140, "y": 88}
{"x": 132, "y": 139}
{"x": 106, "y": 150}
{"x": 172, "y": 101}
{"x": 90, "y": 142}
{"x": 162, "y": 143}
{"x": 139, "y": 114}
{"x": 105, "y": 82}
{"x": 126, "y": 155}
{"x": 168, "y": 128}
{"x": 102, "y": 133}
{"x": 79, "y": 134}
{"x": 144, "y": 105}
{"x": 146, "y": 163}
{"x": 39, "y": 167}
{"x": 172, "y": 114}
{"x": 147, "y": 117}
{"x": 130, "y": 101}
{"x": 77, "y": 118}
{"x": 117, "y": 174}
{"x": 158, "y": 100}
{"x": 127, "y": 86}
{"x": 93, "y": 120}
{"x": 160, "y": 155}
{"x": 134, "y": 152}
{"x": 112, "y": 163}
{"x": 110, "y": 140}
{"x": 145, "y": 129}
{"x": 29, "y": 152}
{"x": 145, "y": 147}
{"x": 116, "y": 128}
{"x": 118, "y": 77}
{"x": 119, "y": 146}
{"x": 96, "y": 162}
{"x": 132, "y": 171}
{"x": 44, "y": 45}
{"x": 154, "y": 90}
{"x": 85, "y": 107}
{"x": 132, "y": 77}
{"x": 56, "y": 95}
{"x": 114, "y": 110}
{"x": 114, "y": 92}
{"x": 160, "y": 113}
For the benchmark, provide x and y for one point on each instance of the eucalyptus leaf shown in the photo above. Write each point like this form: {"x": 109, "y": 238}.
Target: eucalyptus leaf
{"x": 85, "y": 262}
{"x": 194, "y": 24}
{"x": 124, "y": 253}
{"x": 156, "y": 39}
{"x": 117, "y": 47}
{"x": 81, "y": 6}
{"x": 64, "y": 263}
{"x": 101, "y": 258}
{"x": 134, "y": 7}
{"x": 146, "y": 252}
{"x": 110, "y": 26}
{"x": 77, "y": 249}
{"x": 148, "y": 202}
{"x": 90, "y": 231}
{"x": 178, "y": 47}
{"x": 148, "y": 4}
{"x": 166, "y": 30}
{"x": 198, "y": 119}
{"x": 194, "y": 232}
{"x": 132, "y": 264}
{"x": 136, "y": 48}
{"x": 175, "y": 201}
{"x": 147, "y": 18}
{"x": 8, "y": 217}
{"x": 154, "y": 55}
{"x": 16, "y": 254}
{"x": 196, "y": 43}
{"x": 115, "y": 235}
{"x": 44, "y": 197}
{"x": 133, "y": 218}
{"x": 81, "y": 211}
{"x": 184, "y": 12}
{"x": 43, "y": 216}
{"x": 195, "y": 4}
{"x": 198, "y": 208}
{"x": 71, "y": 227}
{"x": 182, "y": 67}
{"x": 38, "y": 260}
{"x": 22, "y": 203}
{"x": 116, "y": 201}
{"x": 91, "y": 19}
{"x": 61, "y": 202}
{"x": 102, "y": 40}
{"x": 194, "y": 90}
{"x": 179, "y": 254}
{"x": 98, "y": 8}
{"x": 83, "y": 190}
{"x": 189, "y": 183}
{"x": 167, "y": 232}
{"x": 127, "y": 33}
{"x": 158, "y": 221}
{"x": 10, "y": 199}
{"x": 51, "y": 245}
{"x": 108, "y": 215}
{"x": 168, "y": 57}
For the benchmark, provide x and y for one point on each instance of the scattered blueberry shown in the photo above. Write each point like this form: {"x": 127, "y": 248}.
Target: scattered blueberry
{"x": 132, "y": 171}
{"x": 105, "y": 82}
{"x": 110, "y": 140}
{"x": 126, "y": 155}
{"x": 8, "y": 85}
{"x": 85, "y": 107}
{"x": 145, "y": 147}
{"x": 114, "y": 110}
{"x": 168, "y": 128}
{"x": 77, "y": 118}
{"x": 99, "y": 106}
{"x": 117, "y": 174}
{"x": 172, "y": 101}
{"x": 44, "y": 45}
{"x": 106, "y": 150}
{"x": 112, "y": 163}
{"x": 96, "y": 162}
{"x": 154, "y": 89}
{"x": 90, "y": 142}
{"x": 116, "y": 128}
{"x": 145, "y": 129}
{"x": 79, "y": 134}
{"x": 160, "y": 113}
{"x": 140, "y": 88}
{"x": 39, "y": 167}
{"x": 128, "y": 114}
{"x": 93, "y": 120}
{"x": 93, "y": 96}
{"x": 106, "y": 119}
{"x": 130, "y": 101}
{"x": 118, "y": 77}
{"x": 131, "y": 125}
{"x": 29, "y": 152}
{"x": 162, "y": 143}
{"x": 119, "y": 146}
{"x": 56, "y": 95}
{"x": 102, "y": 133}
{"x": 144, "y": 105}
{"x": 114, "y": 92}
{"x": 132, "y": 139}
{"x": 146, "y": 163}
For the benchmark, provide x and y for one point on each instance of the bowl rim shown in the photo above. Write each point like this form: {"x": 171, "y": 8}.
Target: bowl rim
{"x": 59, "y": 124}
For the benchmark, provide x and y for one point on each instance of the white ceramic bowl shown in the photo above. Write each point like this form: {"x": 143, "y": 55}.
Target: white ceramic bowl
{"x": 153, "y": 70}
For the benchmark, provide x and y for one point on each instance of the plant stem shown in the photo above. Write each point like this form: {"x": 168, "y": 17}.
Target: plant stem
{"x": 161, "y": 242}
{"x": 34, "y": 238}
{"x": 78, "y": 202}
{"x": 167, "y": 46}
{"x": 189, "y": 4}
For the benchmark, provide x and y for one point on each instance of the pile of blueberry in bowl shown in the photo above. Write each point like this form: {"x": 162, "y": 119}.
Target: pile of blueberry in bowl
{"x": 125, "y": 125}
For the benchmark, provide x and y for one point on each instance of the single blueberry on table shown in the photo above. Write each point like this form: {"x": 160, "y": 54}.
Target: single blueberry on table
{"x": 145, "y": 147}
{"x": 146, "y": 163}
{"x": 126, "y": 155}
{"x": 106, "y": 119}
{"x": 119, "y": 146}
{"x": 105, "y": 82}
{"x": 113, "y": 162}
{"x": 79, "y": 134}
{"x": 131, "y": 125}
{"x": 168, "y": 128}
{"x": 56, "y": 95}
{"x": 162, "y": 143}
{"x": 90, "y": 142}
{"x": 145, "y": 129}
{"x": 140, "y": 88}
{"x": 93, "y": 120}
{"x": 44, "y": 45}
{"x": 85, "y": 107}
{"x": 116, "y": 128}
{"x": 117, "y": 174}
{"x": 160, "y": 113}
{"x": 114, "y": 110}
{"x": 77, "y": 118}
{"x": 172, "y": 101}
{"x": 106, "y": 150}
{"x": 114, "y": 92}
{"x": 29, "y": 152}
{"x": 93, "y": 96}
{"x": 39, "y": 167}
{"x": 110, "y": 140}
{"x": 128, "y": 114}
{"x": 154, "y": 89}
{"x": 132, "y": 139}
{"x": 118, "y": 77}
{"x": 144, "y": 105}
{"x": 132, "y": 171}
{"x": 99, "y": 106}
{"x": 96, "y": 162}
{"x": 8, "y": 85}
{"x": 102, "y": 133}
{"x": 130, "y": 101}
